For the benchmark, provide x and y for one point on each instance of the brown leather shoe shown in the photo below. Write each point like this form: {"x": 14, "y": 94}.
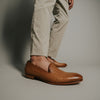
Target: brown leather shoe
{"x": 53, "y": 76}
{"x": 58, "y": 64}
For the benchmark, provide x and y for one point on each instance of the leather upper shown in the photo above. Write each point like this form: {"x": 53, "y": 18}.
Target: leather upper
{"x": 54, "y": 74}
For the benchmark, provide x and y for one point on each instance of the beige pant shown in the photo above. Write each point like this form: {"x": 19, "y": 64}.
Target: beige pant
{"x": 49, "y": 22}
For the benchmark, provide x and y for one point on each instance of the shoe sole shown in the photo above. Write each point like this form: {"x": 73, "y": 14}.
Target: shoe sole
{"x": 53, "y": 83}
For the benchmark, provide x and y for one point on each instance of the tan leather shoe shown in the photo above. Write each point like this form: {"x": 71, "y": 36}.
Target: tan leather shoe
{"x": 53, "y": 76}
{"x": 58, "y": 64}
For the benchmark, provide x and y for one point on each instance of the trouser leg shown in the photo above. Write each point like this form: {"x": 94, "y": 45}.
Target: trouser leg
{"x": 59, "y": 26}
{"x": 40, "y": 27}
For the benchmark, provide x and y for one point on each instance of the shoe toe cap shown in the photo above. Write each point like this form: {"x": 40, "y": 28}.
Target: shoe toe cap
{"x": 75, "y": 77}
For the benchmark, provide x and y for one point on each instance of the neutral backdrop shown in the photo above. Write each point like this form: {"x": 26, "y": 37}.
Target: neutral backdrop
{"x": 80, "y": 49}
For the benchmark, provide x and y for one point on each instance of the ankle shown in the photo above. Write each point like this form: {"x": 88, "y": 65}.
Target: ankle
{"x": 36, "y": 58}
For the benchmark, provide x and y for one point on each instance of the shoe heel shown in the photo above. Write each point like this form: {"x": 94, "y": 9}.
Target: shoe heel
{"x": 29, "y": 76}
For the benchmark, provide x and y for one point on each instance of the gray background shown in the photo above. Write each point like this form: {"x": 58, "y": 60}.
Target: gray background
{"x": 80, "y": 49}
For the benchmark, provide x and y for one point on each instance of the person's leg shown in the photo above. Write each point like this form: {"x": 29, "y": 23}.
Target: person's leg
{"x": 40, "y": 37}
{"x": 40, "y": 27}
{"x": 40, "y": 32}
{"x": 59, "y": 26}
